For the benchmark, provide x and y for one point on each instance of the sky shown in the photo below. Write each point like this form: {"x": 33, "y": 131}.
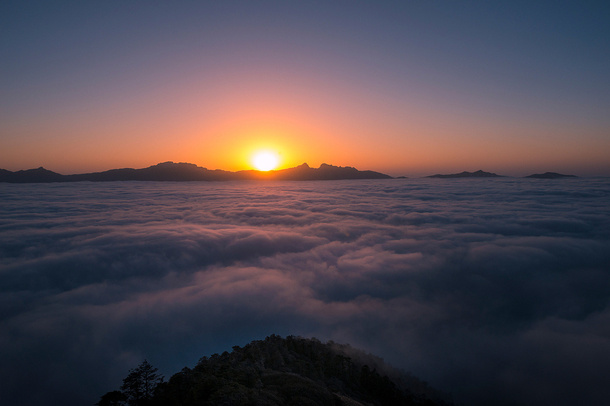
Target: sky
{"x": 406, "y": 88}
{"x": 494, "y": 290}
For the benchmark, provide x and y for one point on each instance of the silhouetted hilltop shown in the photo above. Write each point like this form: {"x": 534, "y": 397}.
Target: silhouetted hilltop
{"x": 550, "y": 175}
{"x": 278, "y": 371}
{"x": 477, "y": 174}
{"x": 180, "y": 172}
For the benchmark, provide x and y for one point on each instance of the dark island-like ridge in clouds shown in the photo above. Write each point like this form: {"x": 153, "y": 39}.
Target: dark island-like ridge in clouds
{"x": 465, "y": 174}
{"x": 182, "y": 172}
{"x": 550, "y": 175}
{"x": 483, "y": 174}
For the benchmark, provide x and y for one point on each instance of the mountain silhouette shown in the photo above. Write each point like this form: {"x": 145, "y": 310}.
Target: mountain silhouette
{"x": 305, "y": 172}
{"x": 477, "y": 174}
{"x": 550, "y": 175}
{"x": 182, "y": 172}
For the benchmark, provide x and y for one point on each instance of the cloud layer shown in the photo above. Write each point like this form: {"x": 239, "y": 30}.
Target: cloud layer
{"x": 494, "y": 290}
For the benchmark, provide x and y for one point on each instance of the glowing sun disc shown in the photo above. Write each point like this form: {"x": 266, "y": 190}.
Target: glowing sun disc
{"x": 265, "y": 161}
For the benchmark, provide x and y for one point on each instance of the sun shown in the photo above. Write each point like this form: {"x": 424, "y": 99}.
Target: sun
{"x": 265, "y": 160}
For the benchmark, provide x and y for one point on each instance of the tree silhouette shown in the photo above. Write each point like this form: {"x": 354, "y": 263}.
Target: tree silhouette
{"x": 139, "y": 386}
{"x": 114, "y": 398}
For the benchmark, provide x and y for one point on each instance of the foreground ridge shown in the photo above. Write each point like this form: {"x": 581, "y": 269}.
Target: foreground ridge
{"x": 278, "y": 371}
{"x": 181, "y": 172}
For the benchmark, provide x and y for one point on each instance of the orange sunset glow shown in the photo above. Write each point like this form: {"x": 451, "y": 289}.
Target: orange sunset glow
{"x": 412, "y": 117}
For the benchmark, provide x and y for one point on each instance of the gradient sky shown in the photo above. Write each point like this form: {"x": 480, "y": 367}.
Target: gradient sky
{"x": 406, "y": 88}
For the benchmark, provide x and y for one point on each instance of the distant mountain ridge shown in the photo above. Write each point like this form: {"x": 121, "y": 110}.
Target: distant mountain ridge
{"x": 37, "y": 175}
{"x": 483, "y": 174}
{"x": 182, "y": 172}
{"x": 550, "y": 175}
{"x": 465, "y": 174}
{"x": 187, "y": 172}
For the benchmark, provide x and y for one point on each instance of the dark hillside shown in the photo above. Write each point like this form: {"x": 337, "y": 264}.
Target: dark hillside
{"x": 291, "y": 371}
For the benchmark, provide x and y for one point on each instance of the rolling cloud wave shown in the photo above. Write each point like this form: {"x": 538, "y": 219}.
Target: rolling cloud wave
{"x": 494, "y": 290}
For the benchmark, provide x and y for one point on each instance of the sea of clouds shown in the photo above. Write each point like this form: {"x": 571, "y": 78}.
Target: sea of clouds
{"x": 496, "y": 290}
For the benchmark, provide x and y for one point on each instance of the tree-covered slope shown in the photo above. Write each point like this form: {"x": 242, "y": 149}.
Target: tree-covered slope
{"x": 290, "y": 371}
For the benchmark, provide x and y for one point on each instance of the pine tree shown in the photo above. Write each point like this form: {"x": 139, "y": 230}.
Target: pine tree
{"x": 140, "y": 384}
